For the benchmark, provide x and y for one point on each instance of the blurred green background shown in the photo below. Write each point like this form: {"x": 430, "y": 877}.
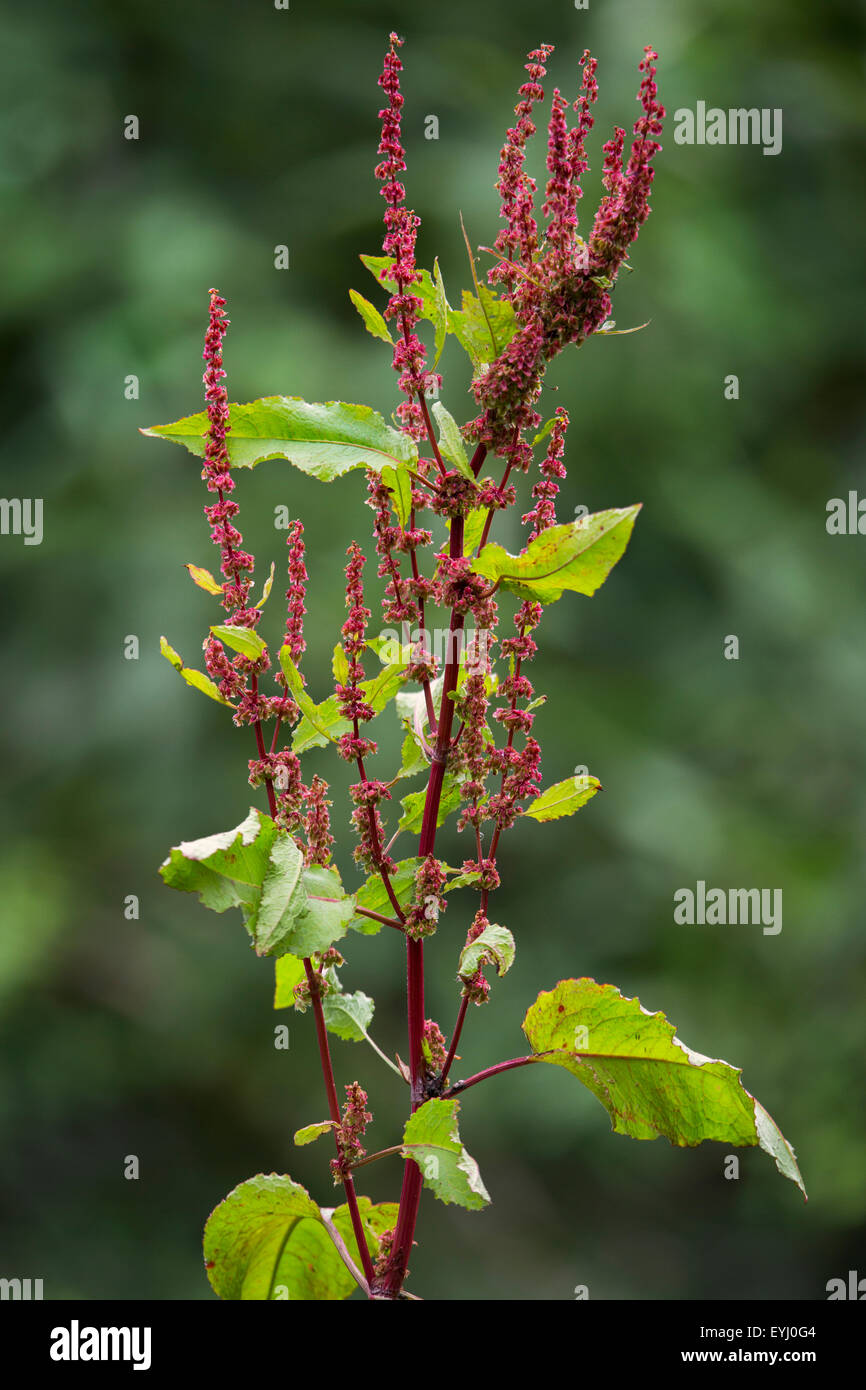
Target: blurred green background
{"x": 155, "y": 1037}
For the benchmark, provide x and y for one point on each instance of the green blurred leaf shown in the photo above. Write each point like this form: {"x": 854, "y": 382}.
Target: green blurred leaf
{"x": 563, "y": 798}
{"x": 577, "y": 557}
{"x": 325, "y": 440}
{"x": 431, "y": 1137}
{"x": 266, "y": 589}
{"x": 649, "y": 1082}
{"x": 373, "y": 320}
{"x": 494, "y": 946}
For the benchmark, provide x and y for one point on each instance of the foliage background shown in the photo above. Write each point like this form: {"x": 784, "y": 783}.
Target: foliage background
{"x": 155, "y": 1037}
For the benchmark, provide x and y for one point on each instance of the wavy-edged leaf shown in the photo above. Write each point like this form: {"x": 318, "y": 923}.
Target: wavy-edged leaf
{"x": 563, "y": 798}
{"x": 494, "y": 946}
{"x": 268, "y": 1240}
{"x": 259, "y": 868}
{"x": 649, "y": 1081}
{"x": 432, "y": 1138}
{"x": 324, "y": 439}
{"x": 577, "y": 557}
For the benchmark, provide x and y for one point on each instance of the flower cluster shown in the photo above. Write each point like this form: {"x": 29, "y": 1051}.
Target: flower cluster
{"x": 423, "y": 915}
{"x": 563, "y": 293}
{"x": 401, "y": 231}
{"x": 356, "y": 1117}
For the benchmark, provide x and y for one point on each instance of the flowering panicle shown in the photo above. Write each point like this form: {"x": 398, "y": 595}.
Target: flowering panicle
{"x": 544, "y": 492}
{"x": 356, "y": 1117}
{"x": 350, "y": 696}
{"x": 518, "y": 240}
{"x": 317, "y": 823}
{"x": 397, "y": 605}
{"x": 565, "y": 295}
{"x": 296, "y": 593}
{"x": 401, "y": 230}
{"x": 423, "y": 915}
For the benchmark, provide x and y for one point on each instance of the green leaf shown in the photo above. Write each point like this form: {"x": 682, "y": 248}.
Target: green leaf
{"x": 259, "y": 868}
{"x": 451, "y": 441}
{"x": 473, "y": 528}
{"x": 649, "y": 1082}
{"x": 563, "y": 798}
{"x": 494, "y": 946}
{"x": 325, "y": 722}
{"x": 204, "y": 579}
{"x": 348, "y": 1015}
{"x": 423, "y": 289}
{"x": 440, "y": 321}
{"x": 413, "y": 759}
{"x": 170, "y": 654}
{"x": 413, "y": 805}
{"x": 240, "y": 639}
{"x": 373, "y": 320}
{"x": 431, "y": 1137}
{"x": 373, "y": 896}
{"x": 578, "y": 556}
{"x": 197, "y": 679}
{"x": 484, "y": 326}
{"x": 266, "y": 589}
{"x": 289, "y": 972}
{"x": 325, "y": 440}
{"x": 544, "y": 431}
{"x": 399, "y": 484}
{"x": 339, "y": 665}
{"x": 310, "y": 1133}
{"x": 268, "y": 1239}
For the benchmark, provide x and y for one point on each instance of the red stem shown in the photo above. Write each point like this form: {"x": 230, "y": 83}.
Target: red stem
{"x": 334, "y": 1109}
{"x": 410, "y": 1196}
{"x": 460, "y": 1086}
{"x": 458, "y": 1029}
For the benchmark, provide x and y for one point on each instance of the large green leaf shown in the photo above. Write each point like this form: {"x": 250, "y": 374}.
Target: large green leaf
{"x": 578, "y": 557}
{"x": 432, "y": 1139}
{"x": 259, "y": 868}
{"x": 268, "y": 1235}
{"x": 563, "y": 798}
{"x": 649, "y": 1082}
{"x": 325, "y": 440}
{"x": 241, "y": 639}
